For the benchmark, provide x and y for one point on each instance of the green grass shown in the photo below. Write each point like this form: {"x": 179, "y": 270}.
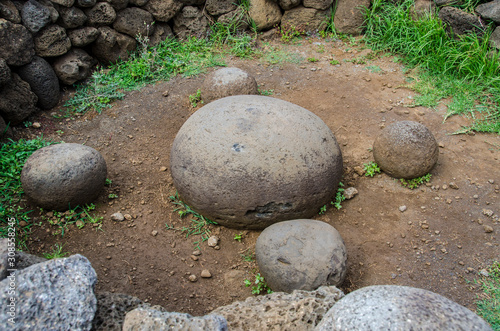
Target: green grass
{"x": 462, "y": 68}
{"x": 415, "y": 182}
{"x": 339, "y": 198}
{"x": 198, "y": 226}
{"x": 13, "y": 155}
{"x": 488, "y": 307}
{"x": 56, "y": 253}
{"x": 78, "y": 216}
{"x": 260, "y": 285}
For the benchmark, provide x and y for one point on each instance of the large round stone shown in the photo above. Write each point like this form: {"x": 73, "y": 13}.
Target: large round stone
{"x": 226, "y": 82}
{"x": 59, "y": 177}
{"x": 301, "y": 255}
{"x": 250, "y": 161}
{"x": 406, "y": 149}
{"x": 391, "y": 307}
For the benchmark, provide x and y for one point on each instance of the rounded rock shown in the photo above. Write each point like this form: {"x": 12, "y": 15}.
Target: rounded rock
{"x": 250, "y": 161}
{"x": 227, "y": 82}
{"x": 43, "y": 82}
{"x": 301, "y": 255}
{"x": 58, "y": 177}
{"x": 391, "y": 307}
{"x": 406, "y": 149}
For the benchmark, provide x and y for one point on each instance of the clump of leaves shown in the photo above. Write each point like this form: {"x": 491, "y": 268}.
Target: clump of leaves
{"x": 195, "y": 98}
{"x": 371, "y": 169}
{"x": 489, "y": 307}
{"x": 415, "y": 182}
{"x": 79, "y": 216}
{"x": 312, "y": 59}
{"x": 57, "y": 252}
{"x": 334, "y": 62}
{"x": 238, "y": 237}
{"x": 266, "y": 92}
{"x": 260, "y": 285}
{"x": 339, "y": 198}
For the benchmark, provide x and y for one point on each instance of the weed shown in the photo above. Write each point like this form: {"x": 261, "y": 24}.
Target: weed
{"x": 108, "y": 182}
{"x": 312, "y": 59}
{"x": 489, "y": 305}
{"x": 13, "y": 155}
{"x": 79, "y": 216}
{"x": 260, "y": 285}
{"x": 320, "y": 49}
{"x": 249, "y": 257}
{"x": 289, "y": 32}
{"x": 266, "y": 92}
{"x": 415, "y": 182}
{"x": 334, "y": 62}
{"x": 238, "y": 237}
{"x": 195, "y": 98}
{"x": 371, "y": 168}
{"x": 57, "y": 252}
{"x": 374, "y": 69}
{"x": 199, "y": 224}
{"x": 339, "y": 198}
{"x": 356, "y": 60}
{"x": 112, "y": 196}
{"x": 278, "y": 56}
{"x": 27, "y": 124}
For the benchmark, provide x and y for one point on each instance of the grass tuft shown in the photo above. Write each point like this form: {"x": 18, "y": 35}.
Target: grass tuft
{"x": 489, "y": 305}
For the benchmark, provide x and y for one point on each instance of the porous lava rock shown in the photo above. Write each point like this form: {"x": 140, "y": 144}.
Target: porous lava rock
{"x": 43, "y": 81}
{"x": 111, "y": 310}
{"x": 74, "y": 66}
{"x": 391, "y": 307}
{"x": 52, "y": 41}
{"x": 226, "y": 82}
{"x": 60, "y": 176}
{"x": 111, "y": 46}
{"x": 249, "y": 161}
{"x": 301, "y": 255}
{"x": 5, "y": 72}
{"x": 406, "y": 149}
{"x": 190, "y": 21}
{"x": 299, "y": 310}
{"x": 17, "y": 101}
{"x": 21, "y": 47}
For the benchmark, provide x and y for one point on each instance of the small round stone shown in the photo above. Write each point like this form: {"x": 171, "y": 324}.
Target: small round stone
{"x": 193, "y": 278}
{"x": 250, "y": 161}
{"x": 406, "y": 149}
{"x": 226, "y": 82}
{"x": 63, "y": 176}
{"x": 301, "y": 255}
{"x": 205, "y": 273}
{"x": 391, "y": 307}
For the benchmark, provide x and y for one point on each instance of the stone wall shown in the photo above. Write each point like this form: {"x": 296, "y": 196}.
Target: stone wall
{"x": 48, "y": 43}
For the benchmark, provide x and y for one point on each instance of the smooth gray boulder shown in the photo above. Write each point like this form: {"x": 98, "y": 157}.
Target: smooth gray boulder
{"x": 391, "y": 307}
{"x": 52, "y": 41}
{"x": 112, "y": 46}
{"x": 299, "y": 310}
{"x": 249, "y": 161}
{"x": 301, "y": 255}
{"x": 190, "y": 21}
{"x": 490, "y": 10}
{"x": 149, "y": 319}
{"x": 134, "y": 21}
{"x": 63, "y": 176}
{"x": 83, "y": 36}
{"x": 5, "y": 72}
{"x": 21, "y": 47}
{"x": 405, "y": 149}
{"x": 43, "y": 82}
{"x": 17, "y": 101}
{"x": 74, "y": 66}
{"x": 35, "y": 16}
{"x": 226, "y": 82}
{"x": 53, "y": 295}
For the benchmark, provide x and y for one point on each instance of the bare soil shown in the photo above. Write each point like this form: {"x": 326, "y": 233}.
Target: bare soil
{"x": 439, "y": 243}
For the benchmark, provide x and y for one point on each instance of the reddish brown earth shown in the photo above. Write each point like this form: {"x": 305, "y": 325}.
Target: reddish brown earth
{"x": 439, "y": 243}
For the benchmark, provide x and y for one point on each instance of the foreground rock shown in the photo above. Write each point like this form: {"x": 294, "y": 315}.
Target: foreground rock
{"x": 111, "y": 310}
{"x": 17, "y": 101}
{"x": 146, "y": 318}
{"x": 250, "y": 161}
{"x": 406, "y": 149}
{"x": 227, "y": 82}
{"x": 301, "y": 255}
{"x": 63, "y": 176}
{"x": 300, "y": 310}
{"x": 391, "y": 307}
{"x": 53, "y": 295}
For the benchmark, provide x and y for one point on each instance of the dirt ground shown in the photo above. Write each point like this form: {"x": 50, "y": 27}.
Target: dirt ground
{"x": 439, "y": 243}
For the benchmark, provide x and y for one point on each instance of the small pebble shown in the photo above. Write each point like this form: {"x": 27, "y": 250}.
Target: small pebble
{"x": 402, "y": 208}
{"x": 193, "y": 278}
{"x": 36, "y": 125}
{"x": 350, "y": 192}
{"x": 453, "y": 186}
{"x": 475, "y": 196}
{"x": 128, "y": 217}
{"x": 484, "y": 273}
{"x": 163, "y": 168}
{"x": 196, "y": 252}
{"x": 213, "y": 241}
{"x": 487, "y": 229}
{"x": 488, "y": 212}
{"x": 491, "y": 181}
{"x": 444, "y": 187}
{"x": 154, "y": 233}
{"x": 117, "y": 217}
{"x": 205, "y": 274}
{"x": 194, "y": 258}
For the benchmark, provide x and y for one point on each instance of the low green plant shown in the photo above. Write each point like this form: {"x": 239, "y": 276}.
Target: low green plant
{"x": 199, "y": 226}
{"x": 415, "y": 182}
{"x": 260, "y": 285}
{"x": 248, "y": 257}
{"x": 278, "y": 56}
{"x": 289, "y": 32}
{"x": 108, "y": 182}
{"x": 356, "y": 60}
{"x": 488, "y": 307}
{"x": 112, "y": 196}
{"x": 334, "y": 62}
{"x": 79, "y": 216}
{"x": 195, "y": 98}
{"x": 266, "y": 92}
{"x": 312, "y": 59}
{"x": 56, "y": 253}
{"x": 27, "y": 124}
{"x": 238, "y": 237}
{"x": 339, "y": 198}
{"x": 371, "y": 169}
{"x": 374, "y": 69}
{"x": 13, "y": 155}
